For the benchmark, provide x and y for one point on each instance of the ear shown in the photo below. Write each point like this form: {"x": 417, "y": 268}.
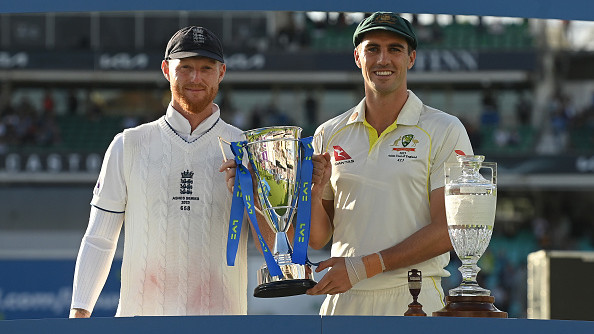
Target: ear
{"x": 412, "y": 57}
{"x": 222, "y": 71}
{"x": 165, "y": 69}
{"x": 356, "y": 55}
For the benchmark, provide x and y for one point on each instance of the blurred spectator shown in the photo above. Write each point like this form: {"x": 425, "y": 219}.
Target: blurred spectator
{"x": 549, "y": 143}
{"x": 540, "y": 229}
{"x": 256, "y": 118}
{"x": 291, "y": 36}
{"x": 475, "y": 136}
{"x": 239, "y": 119}
{"x": 48, "y": 103}
{"x": 489, "y": 113}
{"x": 25, "y": 121}
{"x": 505, "y": 137}
{"x": 231, "y": 114}
{"x": 96, "y": 103}
{"x": 273, "y": 116}
{"x": 524, "y": 110}
{"x": 72, "y": 102}
{"x": 555, "y": 136}
{"x": 311, "y": 109}
{"x": 48, "y": 131}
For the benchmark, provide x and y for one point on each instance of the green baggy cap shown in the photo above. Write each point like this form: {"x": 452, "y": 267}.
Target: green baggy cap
{"x": 386, "y": 21}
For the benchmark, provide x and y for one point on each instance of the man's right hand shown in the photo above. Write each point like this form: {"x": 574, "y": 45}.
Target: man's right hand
{"x": 322, "y": 170}
{"x": 229, "y": 168}
{"x": 79, "y": 313}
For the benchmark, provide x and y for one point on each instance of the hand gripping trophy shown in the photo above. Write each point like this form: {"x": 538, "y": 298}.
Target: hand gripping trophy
{"x": 470, "y": 202}
{"x": 282, "y": 167}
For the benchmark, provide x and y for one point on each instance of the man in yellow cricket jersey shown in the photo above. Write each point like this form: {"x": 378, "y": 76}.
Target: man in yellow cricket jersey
{"x": 379, "y": 183}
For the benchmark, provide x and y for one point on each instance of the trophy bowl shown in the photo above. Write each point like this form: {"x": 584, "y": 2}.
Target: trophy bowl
{"x": 274, "y": 154}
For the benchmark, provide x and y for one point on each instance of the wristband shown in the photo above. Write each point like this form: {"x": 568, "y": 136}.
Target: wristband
{"x": 373, "y": 265}
{"x": 381, "y": 258}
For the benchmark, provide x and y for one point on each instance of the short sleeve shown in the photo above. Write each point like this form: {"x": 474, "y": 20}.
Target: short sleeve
{"x": 110, "y": 191}
{"x": 454, "y": 142}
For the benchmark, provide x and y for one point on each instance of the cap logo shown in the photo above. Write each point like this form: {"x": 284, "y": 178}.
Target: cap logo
{"x": 385, "y": 19}
{"x": 198, "y": 35}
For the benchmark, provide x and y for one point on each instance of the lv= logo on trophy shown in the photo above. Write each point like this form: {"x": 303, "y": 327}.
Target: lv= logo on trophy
{"x": 470, "y": 201}
{"x": 282, "y": 167}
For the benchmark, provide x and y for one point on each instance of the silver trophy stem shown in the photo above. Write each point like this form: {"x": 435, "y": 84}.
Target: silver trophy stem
{"x": 282, "y": 249}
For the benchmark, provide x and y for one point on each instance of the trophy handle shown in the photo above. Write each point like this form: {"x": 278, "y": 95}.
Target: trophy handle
{"x": 492, "y": 166}
{"x": 221, "y": 141}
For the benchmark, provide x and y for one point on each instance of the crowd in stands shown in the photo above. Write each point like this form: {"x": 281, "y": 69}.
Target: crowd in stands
{"x": 23, "y": 125}
{"x": 31, "y": 123}
{"x": 333, "y": 32}
{"x": 568, "y": 127}
{"x": 565, "y": 127}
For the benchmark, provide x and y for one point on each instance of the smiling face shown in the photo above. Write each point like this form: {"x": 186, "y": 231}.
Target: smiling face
{"x": 194, "y": 82}
{"x": 384, "y": 59}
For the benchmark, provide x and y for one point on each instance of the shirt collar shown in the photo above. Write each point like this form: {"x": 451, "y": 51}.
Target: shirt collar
{"x": 411, "y": 110}
{"x": 409, "y": 114}
{"x": 182, "y": 127}
{"x": 358, "y": 114}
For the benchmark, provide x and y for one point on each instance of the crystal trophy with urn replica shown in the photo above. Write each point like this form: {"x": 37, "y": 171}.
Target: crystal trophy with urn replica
{"x": 470, "y": 201}
{"x": 282, "y": 169}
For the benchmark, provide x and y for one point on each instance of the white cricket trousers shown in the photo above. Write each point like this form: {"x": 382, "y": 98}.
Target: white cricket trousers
{"x": 392, "y": 301}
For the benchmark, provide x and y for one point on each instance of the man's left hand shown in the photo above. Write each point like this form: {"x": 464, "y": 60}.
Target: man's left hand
{"x": 336, "y": 279}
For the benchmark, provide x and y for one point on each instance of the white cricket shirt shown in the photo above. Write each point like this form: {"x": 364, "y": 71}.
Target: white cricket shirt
{"x": 381, "y": 186}
{"x": 176, "y": 206}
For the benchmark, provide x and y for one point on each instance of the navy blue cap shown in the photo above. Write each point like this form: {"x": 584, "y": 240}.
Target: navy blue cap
{"x": 194, "y": 41}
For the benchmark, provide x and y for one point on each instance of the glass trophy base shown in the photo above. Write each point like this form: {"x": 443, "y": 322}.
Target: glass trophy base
{"x": 470, "y": 306}
{"x": 469, "y": 290}
{"x": 292, "y": 287}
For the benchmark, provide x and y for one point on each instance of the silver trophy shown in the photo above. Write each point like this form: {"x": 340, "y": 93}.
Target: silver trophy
{"x": 274, "y": 154}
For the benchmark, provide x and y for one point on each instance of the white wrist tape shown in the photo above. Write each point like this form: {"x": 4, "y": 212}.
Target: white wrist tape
{"x": 355, "y": 269}
{"x": 381, "y": 261}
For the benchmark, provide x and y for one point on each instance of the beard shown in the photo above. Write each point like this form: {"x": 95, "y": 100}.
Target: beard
{"x": 197, "y": 106}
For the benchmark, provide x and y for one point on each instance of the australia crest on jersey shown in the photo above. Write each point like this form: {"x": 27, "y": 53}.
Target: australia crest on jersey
{"x": 404, "y": 148}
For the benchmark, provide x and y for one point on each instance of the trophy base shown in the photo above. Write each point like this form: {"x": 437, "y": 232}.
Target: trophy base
{"x": 283, "y": 288}
{"x": 470, "y": 306}
{"x": 415, "y": 310}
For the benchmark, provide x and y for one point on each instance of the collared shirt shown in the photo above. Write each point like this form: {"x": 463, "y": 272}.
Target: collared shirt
{"x": 381, "y": 185}
{"x": 182, "y": 127}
